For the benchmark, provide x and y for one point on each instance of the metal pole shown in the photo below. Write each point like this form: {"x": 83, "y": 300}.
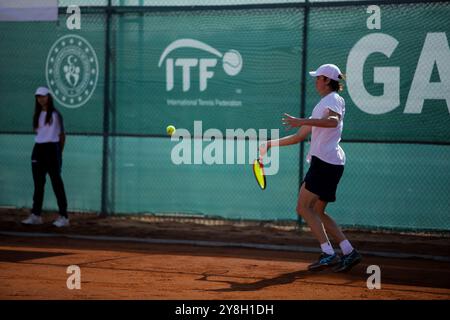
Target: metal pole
{"x": 303, "y": 94}
{"x": 106, "y": 102}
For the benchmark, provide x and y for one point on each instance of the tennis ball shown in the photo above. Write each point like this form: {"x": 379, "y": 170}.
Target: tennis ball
{"x": 170, "y": 130}
{"x": 232, "y": 62}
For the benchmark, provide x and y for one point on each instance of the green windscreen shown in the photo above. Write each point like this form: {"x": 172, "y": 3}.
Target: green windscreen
{"x": 138, "y": 66}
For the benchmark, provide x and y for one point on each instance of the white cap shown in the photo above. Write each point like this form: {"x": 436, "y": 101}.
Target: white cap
{"x": 328, "y": 70}
{"x": 42, "y": 91}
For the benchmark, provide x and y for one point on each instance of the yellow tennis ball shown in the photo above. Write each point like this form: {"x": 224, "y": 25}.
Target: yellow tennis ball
{"x": 170, "y": 130}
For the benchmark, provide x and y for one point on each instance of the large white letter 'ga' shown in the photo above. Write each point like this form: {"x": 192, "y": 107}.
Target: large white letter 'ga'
{"x": 435, "y": 51}
{"x": 389, "y": 76}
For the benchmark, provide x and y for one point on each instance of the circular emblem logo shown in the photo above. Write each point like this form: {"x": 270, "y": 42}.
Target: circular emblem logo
{"x": 72, "y": 71}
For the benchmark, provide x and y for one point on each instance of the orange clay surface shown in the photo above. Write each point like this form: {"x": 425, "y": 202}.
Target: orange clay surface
{"x": 35, "y": 267}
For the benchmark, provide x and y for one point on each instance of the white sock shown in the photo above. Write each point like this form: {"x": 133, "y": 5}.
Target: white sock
{"x": 346, "y": 247}
{"x": 327, "y": 248}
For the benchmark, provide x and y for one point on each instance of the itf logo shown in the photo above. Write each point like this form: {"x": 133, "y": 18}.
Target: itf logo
{"x": 231, "y": 63}
{"x": 72, "y": 70}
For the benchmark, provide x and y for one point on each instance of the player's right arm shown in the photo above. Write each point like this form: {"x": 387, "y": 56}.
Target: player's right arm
{"x": 300, "y": 136}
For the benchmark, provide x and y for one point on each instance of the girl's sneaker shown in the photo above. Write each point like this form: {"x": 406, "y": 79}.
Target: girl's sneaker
{"x": 61, "y": 222}
{"x": 32, "y": 220}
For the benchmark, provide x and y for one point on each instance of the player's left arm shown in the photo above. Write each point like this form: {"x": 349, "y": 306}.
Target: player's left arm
{"x": 331, "y": 120}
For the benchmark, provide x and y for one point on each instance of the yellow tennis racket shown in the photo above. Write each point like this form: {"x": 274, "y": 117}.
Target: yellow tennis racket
{"x": 258, "y": 171}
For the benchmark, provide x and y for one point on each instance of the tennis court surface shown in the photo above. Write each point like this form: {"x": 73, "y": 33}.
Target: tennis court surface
{"x": 34, "y": 265}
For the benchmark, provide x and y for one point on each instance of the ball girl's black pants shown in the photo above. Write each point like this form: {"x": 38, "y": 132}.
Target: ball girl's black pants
{"x": 47, "y": 159}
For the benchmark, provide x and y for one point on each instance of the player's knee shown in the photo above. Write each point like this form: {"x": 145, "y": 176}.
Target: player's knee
{"x": 302, "y": 208}
{"x": 321, "y": 213}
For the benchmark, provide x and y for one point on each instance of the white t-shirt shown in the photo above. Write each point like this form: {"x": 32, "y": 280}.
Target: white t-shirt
{"x": 49, "y": 132}
{"x": 325, "y": 141}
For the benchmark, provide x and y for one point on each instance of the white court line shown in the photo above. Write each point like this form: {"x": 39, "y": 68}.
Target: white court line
{"x": 399, "y": 255}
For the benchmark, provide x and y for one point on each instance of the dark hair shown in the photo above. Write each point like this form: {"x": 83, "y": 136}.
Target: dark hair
{"x": 336, "y": 85}
{"x": 38, "y": 109}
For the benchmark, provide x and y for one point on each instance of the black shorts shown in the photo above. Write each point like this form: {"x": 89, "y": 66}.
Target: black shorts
{"x": 323, "y": 178}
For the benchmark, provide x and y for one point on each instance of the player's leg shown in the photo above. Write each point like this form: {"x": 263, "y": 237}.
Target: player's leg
{"x": 305, "y": 208}
{"x": 351, "y": 256}
{"x": 330, "y": 225}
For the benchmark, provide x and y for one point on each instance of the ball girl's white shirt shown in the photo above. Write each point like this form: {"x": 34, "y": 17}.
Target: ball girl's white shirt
{"x": 325, "y": 141}
{"x": 48, "y": 132}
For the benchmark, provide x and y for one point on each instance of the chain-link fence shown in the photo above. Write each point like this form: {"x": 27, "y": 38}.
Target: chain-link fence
{"x": 234, "y": 64}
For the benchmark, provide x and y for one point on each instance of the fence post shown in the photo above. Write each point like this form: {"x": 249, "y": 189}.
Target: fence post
{"x": 303, "y": 95}
{"x": 106, "y": 102}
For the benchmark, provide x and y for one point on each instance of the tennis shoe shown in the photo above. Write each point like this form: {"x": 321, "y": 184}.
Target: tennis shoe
{"x": 325, "y": 261}
{"x": 61, "y": 222}
{"x": 32, "y": 220}
{"x": 348, "y": 261}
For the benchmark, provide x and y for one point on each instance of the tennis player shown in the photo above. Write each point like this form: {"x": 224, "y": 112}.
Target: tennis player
{"x": 47, "y": 157}
{"x": 327, "y": 160}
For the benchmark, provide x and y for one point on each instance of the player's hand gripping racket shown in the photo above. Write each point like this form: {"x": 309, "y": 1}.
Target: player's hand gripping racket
{"x": 258, "y": 171}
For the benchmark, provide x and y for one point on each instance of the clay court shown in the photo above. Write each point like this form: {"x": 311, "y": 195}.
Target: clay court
{"x": 34, "y": 266}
